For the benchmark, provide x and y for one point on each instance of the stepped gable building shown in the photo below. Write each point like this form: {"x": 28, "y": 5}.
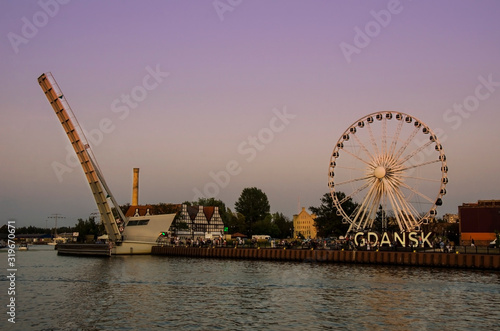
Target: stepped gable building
{"x": 303, "y": 224}
{"x": 479, "y": 221}
{"x": 201, "y": 221}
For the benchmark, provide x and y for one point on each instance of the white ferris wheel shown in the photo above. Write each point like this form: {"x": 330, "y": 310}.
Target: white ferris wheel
{"x": 392, "y": 166}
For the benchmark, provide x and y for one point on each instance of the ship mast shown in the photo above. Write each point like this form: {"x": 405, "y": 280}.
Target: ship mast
{"x": 76, "y": 136}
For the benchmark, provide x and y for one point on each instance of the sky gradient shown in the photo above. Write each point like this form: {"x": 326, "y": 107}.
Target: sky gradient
{"x": 261, "y": 90}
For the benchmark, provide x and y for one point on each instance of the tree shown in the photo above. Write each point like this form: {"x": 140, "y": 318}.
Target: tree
{"x": 327, "y": 221}
{"x": 164, "y": 208}
{"x": 88, "y": 227}
{"x": 385, "y": 221}
{"x": 235, "y": 222}
{"x": 125, "y": 208}
{"x": 284, "y": 224}
{"x": 24, "y": 230}
{"x": 254, "y": 205}
{"x": 266, "y": 226}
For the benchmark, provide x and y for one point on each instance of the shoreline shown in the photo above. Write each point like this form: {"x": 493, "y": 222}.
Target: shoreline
{"x": 417, "y": 259}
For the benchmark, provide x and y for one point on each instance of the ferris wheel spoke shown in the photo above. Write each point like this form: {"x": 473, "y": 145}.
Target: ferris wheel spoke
{"x": 351, "y": 218}
{"x": 360, "y": 211}
{"x": 415, "y": 152}
{"x": 396, "y": 137}
{"x": 373, "y": 209}
{"x": 365, "y": 217}
{"x": 395, "y": 208}
{"x": 417, "y": 193}
{"x": 418, "y": 165}
{"x": 356, "y": 157}
{"x": 384, "y": 136}
{"x": 408, "y": 210}
{"x": 407, "y": 142}
{"x": 423, "y": 179}
{"x": 360, "y": 189}
{"x": 365, "y": 212}
{"x": 354, "y": 180}
{"x": 405, "y": 209}
{"x": 351, "y": 168}
{"x": 404, "y": 212}
{"x": 372, "y": 139}
{"x": 363, "y": 147}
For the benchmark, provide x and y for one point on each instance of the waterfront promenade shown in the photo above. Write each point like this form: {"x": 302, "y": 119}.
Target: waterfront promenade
{"x": 403, "y": 258}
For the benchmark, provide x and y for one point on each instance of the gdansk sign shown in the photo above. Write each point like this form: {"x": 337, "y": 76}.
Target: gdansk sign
{"x": 405, "y": 239}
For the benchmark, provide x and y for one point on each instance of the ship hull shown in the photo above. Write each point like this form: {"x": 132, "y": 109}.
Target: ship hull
{"x": 139, "y": 236}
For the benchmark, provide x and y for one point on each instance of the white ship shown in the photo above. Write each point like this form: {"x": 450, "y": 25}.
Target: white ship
{"x": 127, "y": 235}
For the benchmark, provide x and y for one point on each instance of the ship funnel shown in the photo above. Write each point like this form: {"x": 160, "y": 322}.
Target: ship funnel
{"x": 135, "y": 188}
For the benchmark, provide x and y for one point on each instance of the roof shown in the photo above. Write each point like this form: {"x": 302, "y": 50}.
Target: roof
{"x": 153, "y": 209}
{"x": 209, "y": 211}
{"x": 192, "y": 212}
{"x": 141, "y": 209}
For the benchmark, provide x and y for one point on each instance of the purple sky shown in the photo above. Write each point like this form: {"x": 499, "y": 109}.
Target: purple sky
{"x": 230, "y": 71}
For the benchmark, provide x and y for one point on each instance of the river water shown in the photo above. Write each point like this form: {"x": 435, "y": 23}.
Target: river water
{"x": 155, "y": 292}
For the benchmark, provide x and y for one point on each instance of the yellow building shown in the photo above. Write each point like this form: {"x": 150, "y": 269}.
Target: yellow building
{"x": 303, "y": 224}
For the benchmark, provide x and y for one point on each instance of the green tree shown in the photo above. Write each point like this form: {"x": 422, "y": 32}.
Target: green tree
{"x": 385, "y": 221}
{"x": 25, "y": 230}
{"x": 254, "y": 205}
{"x": 164, "y": 208}
{"x": 88, "y": 227}
{"x": 327, "y": 222}
{"x": 267, "y": 226}
{"x": 235, "y": 222}
{"x": 125, "y": 208}
{"x": 284, "y": 224}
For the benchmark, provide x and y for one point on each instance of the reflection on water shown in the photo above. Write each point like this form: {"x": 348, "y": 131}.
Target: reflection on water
{"x": 147, "y": 292}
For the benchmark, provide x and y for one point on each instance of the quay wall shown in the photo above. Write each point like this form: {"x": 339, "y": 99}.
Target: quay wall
{"x": 424, "y": 259}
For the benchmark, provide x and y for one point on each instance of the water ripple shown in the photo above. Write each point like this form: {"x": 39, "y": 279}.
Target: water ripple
{"x": 148, "y": 292}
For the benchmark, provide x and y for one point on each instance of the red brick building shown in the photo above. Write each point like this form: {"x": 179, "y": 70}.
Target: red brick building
{"x": 479, "y": 221}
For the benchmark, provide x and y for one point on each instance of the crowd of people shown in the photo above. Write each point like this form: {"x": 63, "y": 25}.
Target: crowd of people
{"x": 343, "y": 243}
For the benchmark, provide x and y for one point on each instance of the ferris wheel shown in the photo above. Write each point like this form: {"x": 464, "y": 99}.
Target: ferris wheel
{"x": 387, "y": 166}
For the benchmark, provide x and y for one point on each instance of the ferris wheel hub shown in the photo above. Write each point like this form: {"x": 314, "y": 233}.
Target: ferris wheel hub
{"x": 379, "y": 172}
